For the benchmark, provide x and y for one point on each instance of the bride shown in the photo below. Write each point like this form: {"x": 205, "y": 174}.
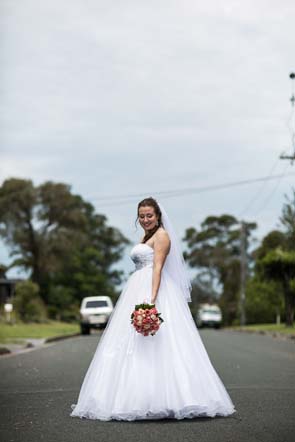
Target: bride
{"x": 166, "y": 375}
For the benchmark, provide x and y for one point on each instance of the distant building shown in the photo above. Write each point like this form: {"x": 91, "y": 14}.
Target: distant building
{"x": 7, "y": 288}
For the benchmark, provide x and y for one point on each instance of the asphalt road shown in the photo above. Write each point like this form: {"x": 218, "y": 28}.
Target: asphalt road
{"x": 38, "y": 387}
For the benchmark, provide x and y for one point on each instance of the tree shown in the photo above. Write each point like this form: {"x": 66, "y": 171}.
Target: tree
{"x": 279, "y": 265}
{"x": 38, "y": 224}
{"x": 276, "y": 258}
{"x": 58, "y": 237}
{"x": 215, "y": 251}
{"x": 270, "y": 242}
{"x": 288, "y": 221}
{"x": 265, "y": 295}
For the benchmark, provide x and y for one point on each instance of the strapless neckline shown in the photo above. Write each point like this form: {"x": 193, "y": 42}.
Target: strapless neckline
{"x": 144, "y": 244}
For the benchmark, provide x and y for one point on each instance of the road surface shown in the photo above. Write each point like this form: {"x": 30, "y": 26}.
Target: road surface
{"x": 38, "y": 387}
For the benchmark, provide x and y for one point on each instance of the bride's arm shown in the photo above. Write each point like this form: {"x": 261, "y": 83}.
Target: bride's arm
{"x": 161, "y": 250}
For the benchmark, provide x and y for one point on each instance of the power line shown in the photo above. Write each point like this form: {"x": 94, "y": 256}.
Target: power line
{"x": 269, "y": 197}
{"x": 259, "y": 191}
{"x": 112, "y": 200}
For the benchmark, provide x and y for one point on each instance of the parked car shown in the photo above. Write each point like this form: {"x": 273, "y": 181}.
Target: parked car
{"x": 95, "y": 312}
{"x": 209, "y": 315}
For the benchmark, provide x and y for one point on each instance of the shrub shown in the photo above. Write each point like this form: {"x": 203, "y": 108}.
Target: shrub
{"x": 28, "y": 304}
{"x": 263, "y": 301}
{"x": 62, "y": 305}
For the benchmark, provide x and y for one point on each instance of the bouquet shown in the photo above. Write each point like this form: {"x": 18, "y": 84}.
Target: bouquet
{"x": 146, "y": 319}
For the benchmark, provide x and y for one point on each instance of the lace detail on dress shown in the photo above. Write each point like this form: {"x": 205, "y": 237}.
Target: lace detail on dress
{"x": 142, "y": 255}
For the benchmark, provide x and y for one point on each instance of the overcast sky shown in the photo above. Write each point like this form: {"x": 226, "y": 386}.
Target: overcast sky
{"x": 136, "y": 97}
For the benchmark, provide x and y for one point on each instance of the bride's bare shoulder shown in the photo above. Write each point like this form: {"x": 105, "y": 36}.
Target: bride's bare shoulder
{"x": 162, "y": 236}
{"x": 161, "y": 230}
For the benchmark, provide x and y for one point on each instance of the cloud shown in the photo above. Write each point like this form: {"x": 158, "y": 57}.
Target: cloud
{"x": 148, "y": 96}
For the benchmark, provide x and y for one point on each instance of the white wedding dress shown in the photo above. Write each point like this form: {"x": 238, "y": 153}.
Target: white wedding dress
{"x": 168, "y": 375}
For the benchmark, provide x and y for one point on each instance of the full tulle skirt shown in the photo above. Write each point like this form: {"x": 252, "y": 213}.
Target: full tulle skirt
{"x": 168, "y": 375}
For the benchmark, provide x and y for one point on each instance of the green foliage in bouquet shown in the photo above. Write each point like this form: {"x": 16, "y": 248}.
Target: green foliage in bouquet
{"x": 144, "y": 307}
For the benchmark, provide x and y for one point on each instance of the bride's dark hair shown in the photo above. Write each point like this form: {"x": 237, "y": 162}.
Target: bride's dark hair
{"x": 150, "y": 202}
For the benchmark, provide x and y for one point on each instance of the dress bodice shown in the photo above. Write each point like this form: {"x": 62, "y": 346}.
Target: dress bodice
{"x": 142, "y": 255}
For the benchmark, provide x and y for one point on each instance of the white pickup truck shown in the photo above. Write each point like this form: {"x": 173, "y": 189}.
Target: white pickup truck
{"x": 95, "y": 312}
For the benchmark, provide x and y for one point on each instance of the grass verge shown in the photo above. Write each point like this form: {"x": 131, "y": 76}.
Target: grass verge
{"x": 272, "y": 328}
{"x": 16, "y": 332}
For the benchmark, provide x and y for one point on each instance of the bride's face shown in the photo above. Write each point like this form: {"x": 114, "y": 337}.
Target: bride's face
{"x": 147, "y": 217}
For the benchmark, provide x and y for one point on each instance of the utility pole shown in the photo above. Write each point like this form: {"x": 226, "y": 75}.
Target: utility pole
{"x": 291, "y": 122}
{"x": 243, "y": 268}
